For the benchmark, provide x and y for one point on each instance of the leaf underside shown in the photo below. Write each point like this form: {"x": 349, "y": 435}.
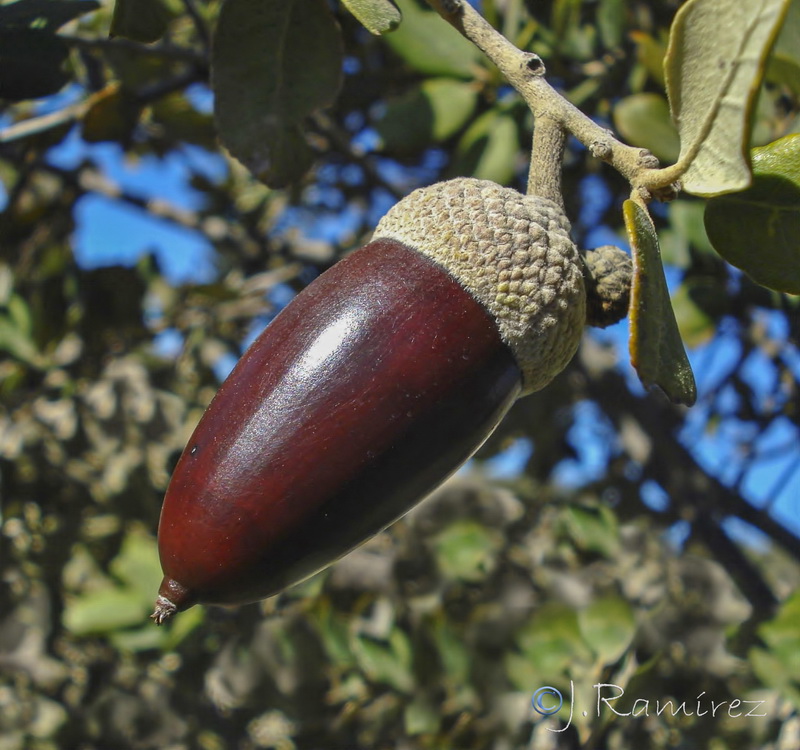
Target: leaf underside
{"x": 655, "y": 344}
{"x": 714, "y": 65}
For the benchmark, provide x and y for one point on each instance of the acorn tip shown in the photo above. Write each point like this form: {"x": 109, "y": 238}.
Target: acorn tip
{"x": 164, "y": 610}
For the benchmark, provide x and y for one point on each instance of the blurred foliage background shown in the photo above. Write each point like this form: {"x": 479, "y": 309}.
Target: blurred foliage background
{"x": 601, "y": 536}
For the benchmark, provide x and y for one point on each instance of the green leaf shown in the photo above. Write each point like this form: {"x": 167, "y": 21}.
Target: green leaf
{"x": 565, "y": 17}
{"x": 453, "y": 654}
{"x": 466, "y": 550}
{"x": 16, "y": 332}
{"x": 715, "y": 60}
{"x": 611, "y": 22}
{"x": 686, "y": 218}
{"x": 489, "y": 149}
{"x": 105, "y": 611}
{"x": 377, "y": 16}
{"x": 775, "y": 673}
{"x": 180, "y": 627}
{"x": 430, "y": 45}
{"x": 593, "y": 529}
{"x": 643, "y": 120}
{"x": 650, "y": 54}
{"x": 784, "y": 63}
{"x": 430, "y": 113}
{"x": 333, "y": 633}
{"x": 43, "y": 15}
{"x": 142, "y": 639}
{"x": 552, "y": 642}
{"x": 31, "y": 64}
{"x": 784, "y": 71}
{"x": 758, "y": 229}
{"x": 655, "y": 344}
{"x": 17, "y": 344}
{"x": 141, "y": 20}
{"x": 696, "y": 326}
{"x": 19, "y": 312}
{"x": 388, "y": 663}
{"x": 137, "y": 564}
{"x": 608, "y": 626}
{"x": 421, "y": 716}
{"x": 274, "y": 62}
{"x": 782, "y": 636}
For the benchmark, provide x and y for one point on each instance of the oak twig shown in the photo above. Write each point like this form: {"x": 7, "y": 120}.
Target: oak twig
{"x": 525, "y": 72}
{"x": 544, "y": 178}
{"x": 166, "y": 51}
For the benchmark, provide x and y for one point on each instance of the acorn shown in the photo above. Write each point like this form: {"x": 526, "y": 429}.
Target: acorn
{"x": 369, "y": 389}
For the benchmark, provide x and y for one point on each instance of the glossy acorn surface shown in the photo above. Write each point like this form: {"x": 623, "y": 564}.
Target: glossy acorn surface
{"x": 371, "y": 387}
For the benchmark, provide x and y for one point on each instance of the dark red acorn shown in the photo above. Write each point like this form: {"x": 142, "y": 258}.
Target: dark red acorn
{"x": 373, "y": 385}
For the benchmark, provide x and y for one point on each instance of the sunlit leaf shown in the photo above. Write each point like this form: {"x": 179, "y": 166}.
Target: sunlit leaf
{"x": 611, "y": 21}
{"x": 467, "y": 550}
{"x": 655, "y": 344}
{"x": 781, "y": 633}
{"x": 430, "y": 45}
{"x": 489, "y": 148}
{"x": 593, "y": 529}
{"x": 696, "y": 326}
{"x": 774, "y": 672}
{"x": 758, "y": 229}
{"x": 643, "y": 120}
{"x": 714, "y": 64}
{"x": 377, "y": 16}
{"x": 784, "y": 62}
{"x": 141, "y": 639}
{"x": 552, "y": 641}
{"x": 453, "y": 654}
{"x": 333, "y": 633}
{"x": 388, "y": 663}
{"x": 429, "y": 114}
{"x": 137, "y": 564}
{"x": 565, "y": 17}
{"x": 141, "y": 20}
{"x": 686, "y": 218}
{"x": 422, "y": 716}
{"x": 18, "y": 344}
{"x": 105, "y": 611}
{"x": 650, "y": 53}
{"x": 180, "y": 627}
{"x": 608, "y": 626}
{"x": 274, "y": 62}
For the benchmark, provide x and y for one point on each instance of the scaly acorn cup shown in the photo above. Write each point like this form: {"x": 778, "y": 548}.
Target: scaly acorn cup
{"x": 369, "y": 389}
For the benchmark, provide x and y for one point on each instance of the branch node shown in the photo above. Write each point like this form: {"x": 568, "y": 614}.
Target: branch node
{"x": 452, "y": 7}
{"x": 533, "y": 64}
{"x": 647, "y": 160}
{"x": 667, "y": 193}
{"x": 601, "y": 149}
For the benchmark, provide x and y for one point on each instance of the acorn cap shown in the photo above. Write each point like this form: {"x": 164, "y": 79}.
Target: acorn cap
{"x": 511, "y": 252}
{"x": 608, "y": 273}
